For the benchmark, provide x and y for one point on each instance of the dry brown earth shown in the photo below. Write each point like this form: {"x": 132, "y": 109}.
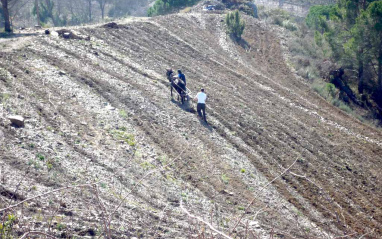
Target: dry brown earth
{"x": 100, "y": 111}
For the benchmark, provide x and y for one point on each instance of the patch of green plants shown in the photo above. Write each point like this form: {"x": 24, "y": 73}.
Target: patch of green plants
{"x": 242, "y": 170}
{"x": 225, "y": 178}
{"x": 124, "y": 136}
{"x": 6, "y": 227}
{"x": 60, "y": 226}
{"x": 4, "y": 97}
{"x": 342, "y": 105}
{"x": 288, "y": 24}
{"x": 300, "y": 160}
{"x": 40, "y": 157}
{"x": 146, "y": 165}
{"x": 123, "y": 114}
{"x": 241, "y": 208}
{"x": 36, "y": 165}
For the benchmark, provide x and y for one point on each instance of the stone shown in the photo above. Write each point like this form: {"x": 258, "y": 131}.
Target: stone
{"x": 17, "y": 120}
{"x": 67, "y": 35}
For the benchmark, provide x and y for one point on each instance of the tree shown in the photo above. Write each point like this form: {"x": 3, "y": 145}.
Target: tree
{"x": 89, "y": 2}
{"x": 373, "y": 19}
{"x": 4, "y": 4}
{"x": 102, "y": 4}
{"x": 37, "y": 10}
{"x": 235, "y": 26}
{"x": 161, "y": 7}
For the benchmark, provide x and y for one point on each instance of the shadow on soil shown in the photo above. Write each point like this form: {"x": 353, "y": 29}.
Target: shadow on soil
{"x": 17, "y": 35}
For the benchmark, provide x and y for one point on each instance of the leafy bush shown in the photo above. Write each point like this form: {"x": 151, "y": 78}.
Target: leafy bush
{"x": 235, "y": 26}
{"x": 162, "y": 7}
{"x": 278, "y": 20}
{"x": 289, "y": 25}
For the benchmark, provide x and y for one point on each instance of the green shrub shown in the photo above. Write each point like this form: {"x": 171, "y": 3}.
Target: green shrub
{"x": 235, "y": 26}
{"x": 345, "y": 108}
{"x": 289, "y": 25}
{"x": 278, "y": 20}
{"x": 7, "y": 226}
{"x": 162, "y": 7}
{"x": 225, "y": 179}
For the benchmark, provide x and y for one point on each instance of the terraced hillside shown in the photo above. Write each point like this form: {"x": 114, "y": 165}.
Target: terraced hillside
{"x": 128, "y": 161}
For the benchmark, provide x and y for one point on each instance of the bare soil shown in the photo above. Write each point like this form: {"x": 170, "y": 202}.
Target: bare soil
{"x": 100, "y": 110}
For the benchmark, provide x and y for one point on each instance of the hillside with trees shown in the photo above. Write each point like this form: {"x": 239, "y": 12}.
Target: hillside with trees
{"x": 57, "y": 13}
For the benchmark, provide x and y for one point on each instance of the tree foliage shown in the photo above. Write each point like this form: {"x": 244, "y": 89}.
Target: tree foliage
{"x": 235, "y": 25}
{"x": 353, "y": 29}
{"x": 162, "y": 7}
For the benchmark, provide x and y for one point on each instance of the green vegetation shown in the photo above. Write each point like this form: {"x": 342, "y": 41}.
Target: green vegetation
{"x": 225, "y": 178}
{"x": 4, "y": 97}
{"x": 123, "y": 136}
{"x": 353, "y": 32}
{"x": 6, "y": 226}
{"x": 235, "y": 26}
{"x": 40, "y": 157}
{"x": 162, "y": 7}
{"x": 342, "y": 37}
{"x": 123, "y": 114}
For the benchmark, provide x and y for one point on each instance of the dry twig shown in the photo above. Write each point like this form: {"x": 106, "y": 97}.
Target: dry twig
{"x": 202, "y": 221}
{"x": 38, "y": 233}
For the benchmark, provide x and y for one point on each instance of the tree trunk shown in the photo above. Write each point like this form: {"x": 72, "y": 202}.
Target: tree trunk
{"x": 90, "y": 10}
{"x": 49, "y": 6}
{"x": 6, "y": 16}
{"x": 360, "y": 72}
{"x": 102, "y": 4}
{"x": 37, "y": 12}
{"x": 380, "y": 67}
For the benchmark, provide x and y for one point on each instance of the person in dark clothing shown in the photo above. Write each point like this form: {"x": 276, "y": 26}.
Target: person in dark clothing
{"x": 182, "y": 92}
{"x": 182, "y": 77}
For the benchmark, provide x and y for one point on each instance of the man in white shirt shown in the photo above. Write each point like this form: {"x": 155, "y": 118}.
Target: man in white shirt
{"x": 201, "y": 98}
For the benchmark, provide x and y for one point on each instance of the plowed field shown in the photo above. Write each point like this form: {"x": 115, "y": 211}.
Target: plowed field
{"x": 99, "y": 111}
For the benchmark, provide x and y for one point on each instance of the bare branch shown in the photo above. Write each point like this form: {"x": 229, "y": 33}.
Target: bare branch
{"x": 38, "y": 233}
{"x": 202, "y": 221}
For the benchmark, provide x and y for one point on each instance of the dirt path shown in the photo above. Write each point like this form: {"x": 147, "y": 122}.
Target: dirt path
{"x": 100, "y": 110}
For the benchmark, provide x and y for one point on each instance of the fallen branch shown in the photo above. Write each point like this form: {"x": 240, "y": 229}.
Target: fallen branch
{"x": 346, "y": 235}
{"x": 264, "y": 187}
{"x": 37, "y": 232}
{"x": 202, "y": 221}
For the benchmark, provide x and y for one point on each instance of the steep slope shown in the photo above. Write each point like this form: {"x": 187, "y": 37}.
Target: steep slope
{"x": 100, "y": 111}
